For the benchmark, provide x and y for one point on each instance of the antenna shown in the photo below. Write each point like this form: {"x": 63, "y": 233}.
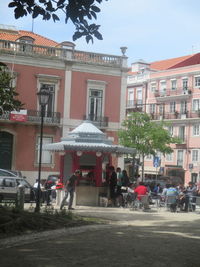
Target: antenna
{"x": 32, "y": 24}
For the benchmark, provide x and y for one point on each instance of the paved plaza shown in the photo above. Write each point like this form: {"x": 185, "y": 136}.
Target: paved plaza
{"x": 156, "y": 238}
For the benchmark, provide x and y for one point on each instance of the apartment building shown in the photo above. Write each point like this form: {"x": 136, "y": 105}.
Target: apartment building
{"x": 82, "y": 85}
{"x": 171, "y": 92}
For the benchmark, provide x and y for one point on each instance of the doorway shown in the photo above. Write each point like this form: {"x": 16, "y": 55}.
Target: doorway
{"x": 6, "y": 150}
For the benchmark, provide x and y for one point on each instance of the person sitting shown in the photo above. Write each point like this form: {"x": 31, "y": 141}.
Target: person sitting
{"x": 171, "y": 197}
{"x": 142, "y": 193}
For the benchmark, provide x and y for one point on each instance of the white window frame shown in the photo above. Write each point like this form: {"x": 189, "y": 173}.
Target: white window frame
{"x": 153, "y": 87}
{"x": 196, "y": 130}
{"x": 152, "y": 108}
{"x": 50, "y": 80}
{"x": 195, "y": 155}
{"x": 169, "y": 157}
{"x": 196, "y": 104}
{"x": 171, "y": 130}
{"x": 173, "y": 87}
{"x": 185, "y": 83}
{"x": 197, "y": 81}
{"x": 96, "y": 85}
{"x": 47, "y": 156}
{"x": 172, "y": 107}
{"x": 149, "y": 157}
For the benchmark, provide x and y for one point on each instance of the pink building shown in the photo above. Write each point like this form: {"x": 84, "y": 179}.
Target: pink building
{"x": 170, "y": 92}
{"x": 83, "y": 85}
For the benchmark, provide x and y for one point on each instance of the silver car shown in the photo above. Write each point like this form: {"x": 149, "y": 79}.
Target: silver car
{"x": 9, "y": 182}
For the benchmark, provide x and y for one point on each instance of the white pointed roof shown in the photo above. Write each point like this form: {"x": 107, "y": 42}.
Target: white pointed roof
{"x": 86, "y": 127}
{"x": 87, "y": 137}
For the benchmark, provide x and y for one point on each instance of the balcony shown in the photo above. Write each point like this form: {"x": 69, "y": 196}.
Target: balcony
{"x": 34, "y": 117}
{"x": 98, "y": 121}
{"x": 17, "y": 48}
{"x": 176, "y": 115}
{"x": 179, "y": 93}
{"x": 136, "y": 106}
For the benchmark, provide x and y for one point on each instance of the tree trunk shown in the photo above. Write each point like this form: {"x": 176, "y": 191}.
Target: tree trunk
{"x": 142, "y": 167}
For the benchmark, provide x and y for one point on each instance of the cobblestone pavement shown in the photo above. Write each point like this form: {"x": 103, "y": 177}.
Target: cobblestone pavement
{"x": 156, "y": 238}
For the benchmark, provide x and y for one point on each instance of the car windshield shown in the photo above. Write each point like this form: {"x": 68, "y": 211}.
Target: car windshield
{"x": 23, "y": 182}
{"x": 6, "y": 173}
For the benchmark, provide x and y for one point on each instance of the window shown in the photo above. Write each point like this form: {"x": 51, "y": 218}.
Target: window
{"x": 26, "y": 43}
{"x": 196, "y": 130}
{"x": 181, "y": 134}
{"x": 173, "y": 84}
{"x": 130, "y": 97}
{"x": 185, "y": 83}
{"x": 172, "y": 107}
{"x": 197, "y": 81}
{"x": 195, "y": 155}
{"x": 46, "y": 155}
{"x": 180, "y": 158}
{"x": 51, "y": 102}
{"x": 53, "y": 83}
{"x": 169, "y": 157}
{"x": 171, "y": 130}
{"x": 95, "y": 104}
{"x": 153, "y": 87}
{"x": 95, "y": 100}
{"x": 152, "y": 108}
{"x": 196, "y": 105}
{"x": 161, "y": 109}
{"x": 149, "y": 157}
{"x": 183, "y": 107}
{"x": 139, "y": 96}
{"x": 163, "y": 87}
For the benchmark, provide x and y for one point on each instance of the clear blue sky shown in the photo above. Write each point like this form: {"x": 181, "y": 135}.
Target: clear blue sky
{"x": 151, "y": 29}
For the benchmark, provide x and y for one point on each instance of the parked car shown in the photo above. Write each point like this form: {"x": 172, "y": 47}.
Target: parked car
{"x": 9, "y": 183}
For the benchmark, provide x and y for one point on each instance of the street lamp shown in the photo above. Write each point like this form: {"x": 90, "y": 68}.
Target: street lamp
{"x": 43, "y": 97}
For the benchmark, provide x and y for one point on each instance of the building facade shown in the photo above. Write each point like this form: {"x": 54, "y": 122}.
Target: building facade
{"x": 82, "y": 85}
{"x": 172, "y": 95}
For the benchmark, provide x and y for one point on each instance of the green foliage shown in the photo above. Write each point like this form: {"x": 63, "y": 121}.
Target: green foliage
{"x": 8, "y": 101}
{"x": 146, "y": 136}
{"x": 78, "y": 11}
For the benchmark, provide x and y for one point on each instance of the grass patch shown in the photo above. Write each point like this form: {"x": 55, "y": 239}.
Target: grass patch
{"x": 14, "y": 222}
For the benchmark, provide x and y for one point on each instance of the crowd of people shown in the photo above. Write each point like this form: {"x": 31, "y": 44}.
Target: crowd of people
{"x": 122, "y": 190}
{"x": 177, "y": 196}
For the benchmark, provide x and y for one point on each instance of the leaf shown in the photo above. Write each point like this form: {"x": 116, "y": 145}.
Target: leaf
{"x": 55, "y": 17}
{"x": 98, "y": 35}
{"x": 77, "y": 35}
{"x": 88, "y": 38}
{"x": 95, "y": 9}
{"x": 60, "y": 2}
{"x": 12, "y": 4}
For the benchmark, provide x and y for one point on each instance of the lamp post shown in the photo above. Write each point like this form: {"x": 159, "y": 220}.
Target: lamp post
{"x": 43, "y": 97}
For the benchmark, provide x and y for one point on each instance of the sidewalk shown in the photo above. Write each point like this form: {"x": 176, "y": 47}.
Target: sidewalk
{"x": 131, "y": 238}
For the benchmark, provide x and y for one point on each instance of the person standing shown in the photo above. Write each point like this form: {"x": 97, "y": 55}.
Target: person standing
{"x": 113, "y": 184}
{"x": 70, "y": 189}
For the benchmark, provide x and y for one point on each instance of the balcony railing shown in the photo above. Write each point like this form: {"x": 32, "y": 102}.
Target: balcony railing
{"x": 18, "y": 48}
{"x": 99, "y": 121}
{"x": 34, "y": 116}
{"x": 176, "y": 92}
{"x": 135, "y": 105}
{"x": 175, "y": 115}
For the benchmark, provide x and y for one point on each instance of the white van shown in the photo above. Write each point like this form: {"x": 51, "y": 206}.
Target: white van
{"x": 9, "y": 188}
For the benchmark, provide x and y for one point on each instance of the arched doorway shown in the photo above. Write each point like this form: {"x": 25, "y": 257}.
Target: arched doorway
{"x": 6, "y": 149}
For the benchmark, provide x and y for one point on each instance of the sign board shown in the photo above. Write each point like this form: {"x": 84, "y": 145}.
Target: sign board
{"x": 18, "y": 115}
{"x": 191, "y": 166}
{"x": 156, "y": 162}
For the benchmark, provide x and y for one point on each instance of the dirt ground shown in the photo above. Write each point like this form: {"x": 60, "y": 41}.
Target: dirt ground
{"x": 156, "y": 238}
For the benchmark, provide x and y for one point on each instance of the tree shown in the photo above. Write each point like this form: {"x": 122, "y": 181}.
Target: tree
{"x": 147, "y": 137}
{"x": 8, "y": 101}
{"x": 78, "y": 11}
